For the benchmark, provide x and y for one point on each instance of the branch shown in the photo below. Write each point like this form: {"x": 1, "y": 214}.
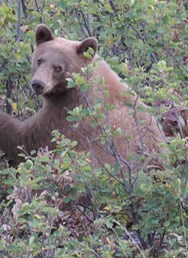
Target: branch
{"x": 37, "y": 7}
{"x": 112, "y": 5}
{"x": 24, "y": 8}
{"x": 19, "y": 21}
{"x": 9, "y": 86}
{"x": 177, "y": 61}
{"x": 87, "y": 25}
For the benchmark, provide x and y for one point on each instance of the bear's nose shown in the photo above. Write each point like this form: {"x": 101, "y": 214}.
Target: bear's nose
{"x": 38, "y": 86}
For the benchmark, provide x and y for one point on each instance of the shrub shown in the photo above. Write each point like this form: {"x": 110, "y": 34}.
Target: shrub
{"x": 55, "y": 204}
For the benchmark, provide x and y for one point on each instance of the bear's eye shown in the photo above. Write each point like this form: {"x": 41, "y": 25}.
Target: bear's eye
{"x": 58, "y": 69}
{"x": 38, "y": 62}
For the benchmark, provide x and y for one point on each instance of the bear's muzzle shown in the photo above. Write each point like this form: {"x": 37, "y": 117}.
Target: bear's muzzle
{"x": 38, "y": 86}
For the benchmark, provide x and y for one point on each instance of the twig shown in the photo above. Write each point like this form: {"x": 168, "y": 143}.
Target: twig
{"x": 175, "y": 59}
{"x": 87, "y": 25}
{"x": 19, "y": 21}
{"x": 37, "y": 7}
{"x": 112, "y": 5}
{"x": 24, "y": 8}
{"x": 9, "y": 87}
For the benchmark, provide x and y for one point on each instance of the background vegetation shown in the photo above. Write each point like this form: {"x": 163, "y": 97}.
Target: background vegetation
{"x": 43, "y": 212}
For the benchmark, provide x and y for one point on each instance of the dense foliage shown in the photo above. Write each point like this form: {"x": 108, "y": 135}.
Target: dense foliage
{"x": 58, "y": 205}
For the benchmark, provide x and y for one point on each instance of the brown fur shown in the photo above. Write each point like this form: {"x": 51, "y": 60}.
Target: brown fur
{"x": 54, "y": 60}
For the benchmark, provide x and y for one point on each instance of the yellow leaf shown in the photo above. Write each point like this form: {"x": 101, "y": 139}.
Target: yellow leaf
{"x": 79, "y": 255}
{"x": 14, "y": 106}
{"x": 107, "y": 208}
{"x": 37, "y": 216}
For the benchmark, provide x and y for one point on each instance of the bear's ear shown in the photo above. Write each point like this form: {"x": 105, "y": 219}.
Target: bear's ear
{"x": 86, "y": 44}
{"x": 43, "y": 34}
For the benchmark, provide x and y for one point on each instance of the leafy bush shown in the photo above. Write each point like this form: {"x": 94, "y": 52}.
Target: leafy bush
{"x": 56, "y": 204}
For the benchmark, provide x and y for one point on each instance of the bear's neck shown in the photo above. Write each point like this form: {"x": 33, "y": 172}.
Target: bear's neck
{"x": 62, "y": 102}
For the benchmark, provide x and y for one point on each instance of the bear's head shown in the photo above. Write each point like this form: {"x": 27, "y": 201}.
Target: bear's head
{"x": 55, "y": 59}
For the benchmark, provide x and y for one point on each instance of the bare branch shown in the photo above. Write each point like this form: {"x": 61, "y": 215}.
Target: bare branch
{"x": 19, "y": 21}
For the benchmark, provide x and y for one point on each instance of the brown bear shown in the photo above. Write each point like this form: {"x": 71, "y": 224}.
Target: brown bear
{"x": 54, "y": 60}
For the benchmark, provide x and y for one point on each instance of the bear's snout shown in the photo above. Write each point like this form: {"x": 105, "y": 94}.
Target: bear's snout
{"x": 38, "y": 86}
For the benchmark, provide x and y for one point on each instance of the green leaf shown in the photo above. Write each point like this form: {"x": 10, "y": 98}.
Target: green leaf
{"x": 90, "y": 53}
{"x": 70, "y": 118}
{"x": 165, "y": 20}
{"x": 31, "y": 240}
{"x": 123, "y": 244}
{"x": 166, "y": 223}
